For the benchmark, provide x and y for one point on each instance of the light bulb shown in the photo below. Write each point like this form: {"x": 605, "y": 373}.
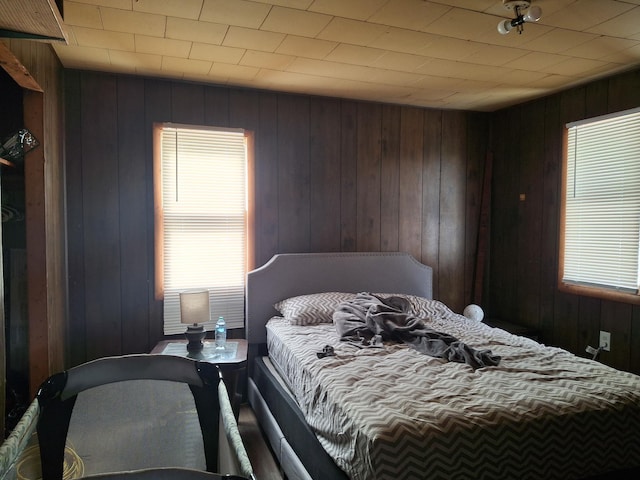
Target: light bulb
{"x": 504, "y": 27}
{"x": 533, "y": 14}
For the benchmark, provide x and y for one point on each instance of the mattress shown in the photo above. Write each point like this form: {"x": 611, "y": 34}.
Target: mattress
{"x": 392, "y": 412}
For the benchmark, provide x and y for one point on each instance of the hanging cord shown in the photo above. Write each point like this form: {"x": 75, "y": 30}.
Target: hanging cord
{"x": 595, "y": 352}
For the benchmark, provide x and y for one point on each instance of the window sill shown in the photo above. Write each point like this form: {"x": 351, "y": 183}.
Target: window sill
{"x": 601, "y": 293}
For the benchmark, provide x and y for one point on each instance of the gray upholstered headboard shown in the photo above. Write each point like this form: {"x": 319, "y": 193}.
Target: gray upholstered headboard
{"x": 288, "y": 275}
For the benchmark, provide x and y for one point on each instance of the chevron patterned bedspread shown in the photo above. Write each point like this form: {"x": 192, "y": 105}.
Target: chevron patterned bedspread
{"x": 393, "y": 413}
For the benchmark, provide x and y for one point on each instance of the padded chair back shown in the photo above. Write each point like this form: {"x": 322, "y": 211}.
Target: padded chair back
{"x": 57, "y": 397}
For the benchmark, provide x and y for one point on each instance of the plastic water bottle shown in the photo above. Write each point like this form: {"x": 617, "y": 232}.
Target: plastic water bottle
{"x": 221, "y": 333}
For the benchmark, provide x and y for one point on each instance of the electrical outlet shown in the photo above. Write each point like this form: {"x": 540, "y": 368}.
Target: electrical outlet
{"x": 605, "y": 340}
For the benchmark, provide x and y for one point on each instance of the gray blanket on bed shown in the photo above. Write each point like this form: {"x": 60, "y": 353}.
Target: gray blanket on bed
{"x": 370, "y": 317}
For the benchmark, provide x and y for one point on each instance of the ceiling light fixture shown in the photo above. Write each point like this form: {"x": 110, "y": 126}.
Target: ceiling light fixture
{"x": 531, "y": 15}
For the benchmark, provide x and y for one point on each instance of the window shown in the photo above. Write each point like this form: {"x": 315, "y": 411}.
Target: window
{"x": 201, "y": 198}
{"x": 601, "y": 222}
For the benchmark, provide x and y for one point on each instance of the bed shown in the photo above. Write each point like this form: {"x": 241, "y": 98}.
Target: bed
{"x": 333, "y": 407}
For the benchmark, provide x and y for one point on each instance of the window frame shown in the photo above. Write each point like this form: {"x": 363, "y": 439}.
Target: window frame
{"x": 158, "y": 201}
{"x": 594, "y": 291}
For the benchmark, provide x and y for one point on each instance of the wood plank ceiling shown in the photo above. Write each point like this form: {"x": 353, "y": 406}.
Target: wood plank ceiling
{"x": 32, "y": 19}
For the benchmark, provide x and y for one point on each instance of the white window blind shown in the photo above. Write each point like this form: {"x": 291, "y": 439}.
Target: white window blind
{"x": 204, "y": 204}
{"x": 602, "y": 216}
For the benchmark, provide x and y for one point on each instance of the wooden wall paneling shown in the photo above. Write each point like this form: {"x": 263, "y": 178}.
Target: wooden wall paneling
{"x": 597, "y": 98}
{"x": 624, "y": 91}
{"x": 616, "y": 319}
{"x": 244, "y": 109}
{"x": 452, "y": 204}
{"x": 216, "y": 106}
{"x": 492, "y": 300}
{"x": 634, "y": 357}
{"x": 324, "y": 175}
{"x": 101, "y": 215}
{"x": 368, "y": 177}
{"x": 42, "y": 330}
{"x": 291, "y": 182}
{"x": 76, "y": 330}
{"x": 390, "y": 158}
{"x": 158, "y": 108}
{"x": 266, "y": 184}
{"x": 36, "y": 68}
{"x": 566, "y": 321}
{"x": 410, "y": 198}
{"x": 530, "y": 149}
{"x": 348, "y": 175}
{"x": 573, "y": 105}
{"x": 589, "y": 315}
{"x": 47, "y": 70}
{"x": 564, "y": 330}
{"x": 551, "y": 201}
{"x": 244, "y": 112}
{"x": 132, "y": 188}
{"x": 293, "y": 173}
{"x": 157, "y": 105}
{"x": 431, "y": 186}
{"x": 187, "y": 103}
{"x": 57, "y": 294}
{"x": 6, "y": 348}
{"x": 504, "y": 216}
{"x": 478, "y": 134}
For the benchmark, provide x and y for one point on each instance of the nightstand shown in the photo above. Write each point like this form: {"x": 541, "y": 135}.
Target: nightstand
{"x": 513, "y": 328}
{"x": 232, "y": 361}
